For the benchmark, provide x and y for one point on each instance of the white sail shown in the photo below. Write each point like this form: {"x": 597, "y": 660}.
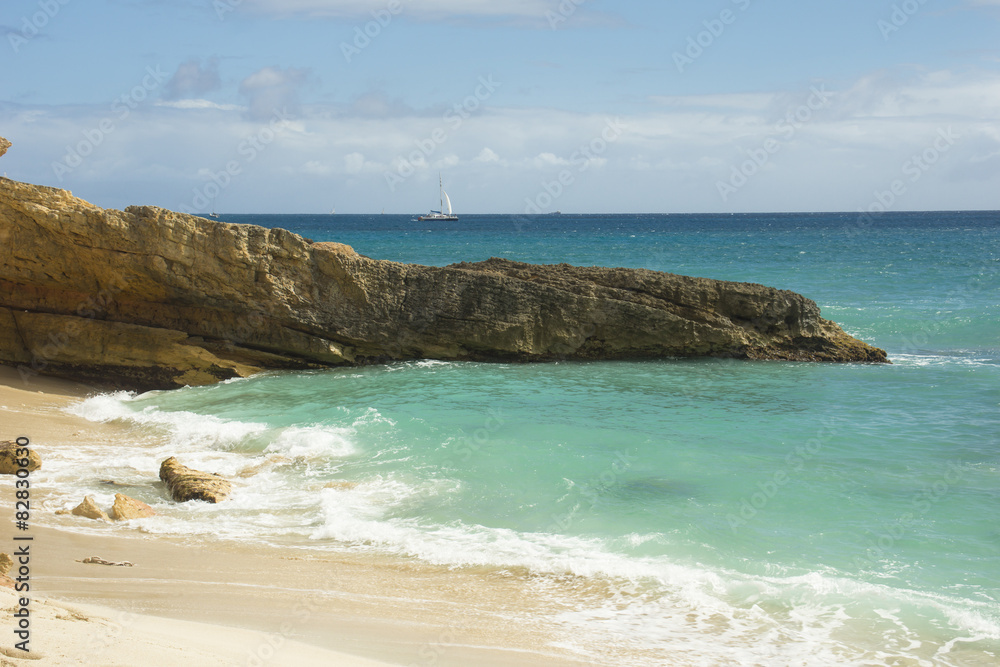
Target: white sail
{"x": 445, "y": 212}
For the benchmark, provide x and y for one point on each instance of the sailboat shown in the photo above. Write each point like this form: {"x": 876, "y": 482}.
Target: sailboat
{"x": 445, "y": 214}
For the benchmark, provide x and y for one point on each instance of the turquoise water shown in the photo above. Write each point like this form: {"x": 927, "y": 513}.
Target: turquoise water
{"x": 739, "y": 511}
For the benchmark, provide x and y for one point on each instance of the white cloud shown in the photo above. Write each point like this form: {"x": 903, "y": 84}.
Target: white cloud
{"x": 447, "y": 161}
{"x": 669, "y": 158}
{"x": 433, "y": 9}
{"x": 378, "y": 105}
{"x": 487, "y": 155}
{"x": 193, "y": 79}
{"x": 731, "y": 101}
{"x": 199, "y": 104}
{"x": 544, "y": 160}
{"x": 354, "y": 163}
{"x": 317, "y": 168}
{"x": 273, "y": 89}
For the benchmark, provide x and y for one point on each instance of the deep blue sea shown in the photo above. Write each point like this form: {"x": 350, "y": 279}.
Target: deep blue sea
{"x": 694, "y": 512}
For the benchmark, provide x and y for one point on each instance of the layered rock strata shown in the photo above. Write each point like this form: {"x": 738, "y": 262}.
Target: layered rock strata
{"x": 187, "y": 484}
{"x": 148, "y": 298}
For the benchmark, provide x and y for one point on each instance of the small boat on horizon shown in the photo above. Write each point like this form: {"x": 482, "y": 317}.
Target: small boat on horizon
{"x": 443, "y": 215}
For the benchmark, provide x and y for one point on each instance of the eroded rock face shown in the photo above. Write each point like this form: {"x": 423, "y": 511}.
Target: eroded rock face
{"x": 89, "y": 510}
{"x": 126, "y": 508}
{"x": 147, "y": 298}
{"x": 4, "y": 145}
{"x": 189, "y": 484}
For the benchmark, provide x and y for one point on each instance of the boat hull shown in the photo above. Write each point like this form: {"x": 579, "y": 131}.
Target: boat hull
{"x": 438, "y": 218}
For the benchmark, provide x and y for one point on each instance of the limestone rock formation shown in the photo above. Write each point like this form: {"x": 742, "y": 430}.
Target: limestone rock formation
{"x": 126, "y": 508}
{"x": 147, "y": 298}
{"x": 4, "y": 145}
{"x": 6, "y": 565}
{"x": 10, "y": 462}
{"x": 188, "y": 484}
{"x": 89, "y": 510}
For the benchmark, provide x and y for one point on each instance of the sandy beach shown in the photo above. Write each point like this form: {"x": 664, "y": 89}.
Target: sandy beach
{"x": 198, "y": 602}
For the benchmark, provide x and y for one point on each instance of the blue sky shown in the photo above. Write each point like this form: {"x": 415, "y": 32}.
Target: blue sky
{"x": 522, "y": 105}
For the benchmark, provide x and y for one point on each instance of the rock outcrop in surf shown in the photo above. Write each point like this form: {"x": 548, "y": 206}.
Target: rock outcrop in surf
{"x": 186, "y": 484}
{"x": 148, "y": 298}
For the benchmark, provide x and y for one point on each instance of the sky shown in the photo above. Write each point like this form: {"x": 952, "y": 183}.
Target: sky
{"x": 521, "y": 106}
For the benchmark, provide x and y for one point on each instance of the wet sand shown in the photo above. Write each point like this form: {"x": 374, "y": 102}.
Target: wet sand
{"x": 193, "y": 601}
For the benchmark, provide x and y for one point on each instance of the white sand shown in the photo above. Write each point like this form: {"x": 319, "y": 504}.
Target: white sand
{"x": 81, "y": 634}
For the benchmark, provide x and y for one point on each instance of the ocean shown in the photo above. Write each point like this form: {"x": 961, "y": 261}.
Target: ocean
{"x": 677, "y": 512}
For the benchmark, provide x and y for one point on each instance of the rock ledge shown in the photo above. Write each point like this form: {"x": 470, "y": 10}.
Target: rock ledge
{"x": 148, "y": 298}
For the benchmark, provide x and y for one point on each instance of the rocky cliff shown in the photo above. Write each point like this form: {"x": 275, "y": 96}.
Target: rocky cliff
{"x": 148, "y": 298}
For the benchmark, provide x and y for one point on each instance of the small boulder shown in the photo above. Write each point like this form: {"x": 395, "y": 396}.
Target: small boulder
{"x": 188, "y": 484}
{"x": 89, "y": 509}
{"x": 6, "y": 563}
{"x": 10, "y": 462}
{"x": 126, "y": 508}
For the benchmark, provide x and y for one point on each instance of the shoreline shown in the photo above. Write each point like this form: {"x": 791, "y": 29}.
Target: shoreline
{"x": 192, "y": 599}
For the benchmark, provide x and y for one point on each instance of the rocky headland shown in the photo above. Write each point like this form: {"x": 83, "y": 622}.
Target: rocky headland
{"x": 148, "y": 298}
